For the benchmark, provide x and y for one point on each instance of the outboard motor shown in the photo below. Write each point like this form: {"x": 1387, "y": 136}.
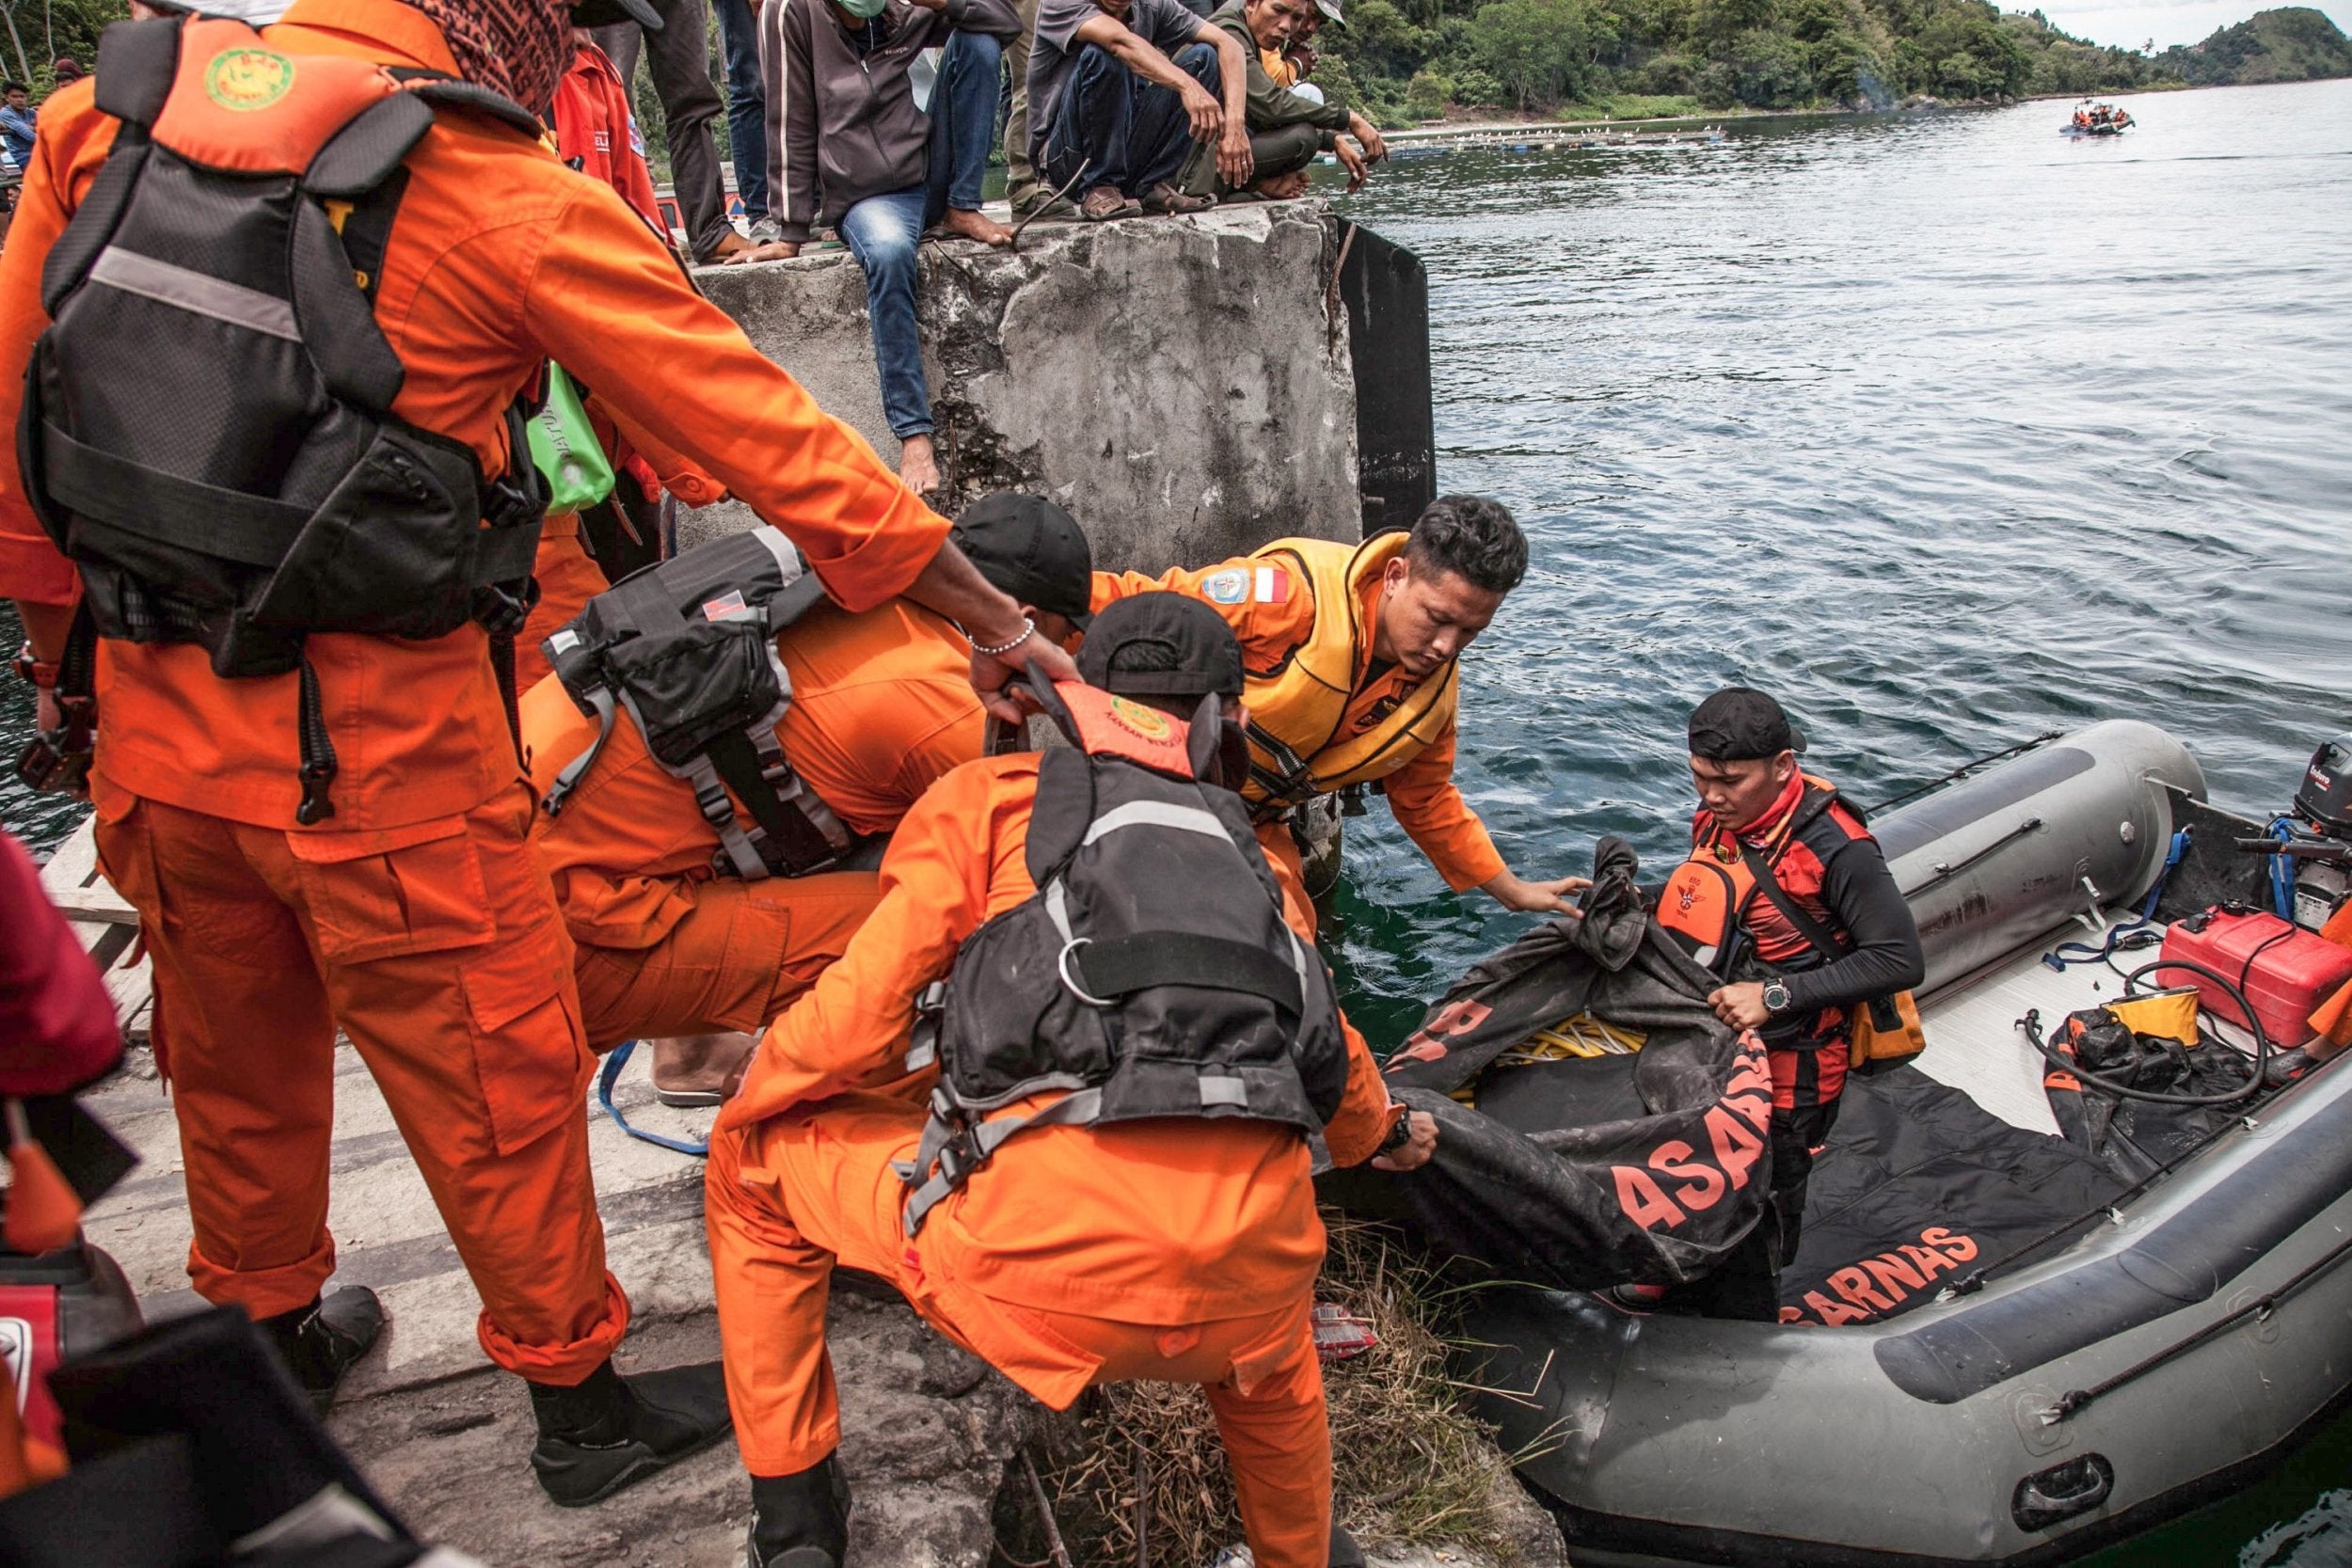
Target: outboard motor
{"x": 2312, "y": 877}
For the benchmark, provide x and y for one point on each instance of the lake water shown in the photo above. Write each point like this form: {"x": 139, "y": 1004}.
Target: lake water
{"x": 1945, "y": 428}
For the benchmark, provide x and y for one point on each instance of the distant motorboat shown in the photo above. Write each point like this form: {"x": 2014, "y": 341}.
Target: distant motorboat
{"x": 2097, "y": 120}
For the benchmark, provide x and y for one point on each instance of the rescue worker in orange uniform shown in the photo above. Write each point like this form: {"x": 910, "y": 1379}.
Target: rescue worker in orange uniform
{"x": 1352, "y": 655}
{"x": 595, "y": 134}
{"x": 1760, "y": 817}
{"x": 303, "y": 773}
{"x": 672, "y": 949}
{"x": 1092, "y": 1247}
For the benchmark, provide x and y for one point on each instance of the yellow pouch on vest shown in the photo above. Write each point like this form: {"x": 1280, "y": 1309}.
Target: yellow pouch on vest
{"x": 1870, "y": 1043}
{"x": 565, "y": 448}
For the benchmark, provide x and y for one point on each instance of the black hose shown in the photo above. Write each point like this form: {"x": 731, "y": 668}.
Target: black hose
{"x": 2031, "y": 1024}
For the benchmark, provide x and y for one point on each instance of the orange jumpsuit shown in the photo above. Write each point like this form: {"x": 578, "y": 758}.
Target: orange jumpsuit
{"x": 1272, "y": 618}
{"x": 416, "y": 918}
{"x": 882, "y": 705}
{"x": 1183, "y": 1250}
{"x": 595, "y": 134}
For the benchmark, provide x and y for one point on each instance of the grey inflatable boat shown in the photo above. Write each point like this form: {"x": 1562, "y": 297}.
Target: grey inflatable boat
{"x": 2154, "y": 1361}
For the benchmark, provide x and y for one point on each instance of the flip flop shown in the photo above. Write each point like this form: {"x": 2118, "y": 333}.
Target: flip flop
{"x": 1164, "y": 197}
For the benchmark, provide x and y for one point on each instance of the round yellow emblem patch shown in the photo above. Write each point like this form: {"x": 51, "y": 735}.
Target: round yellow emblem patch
{"x": 243, "y": 79}
{"x": 1149, "y": 722}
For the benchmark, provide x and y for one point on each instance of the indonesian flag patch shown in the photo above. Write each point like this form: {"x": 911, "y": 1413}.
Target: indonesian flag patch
{"x": 1259, "y": 585}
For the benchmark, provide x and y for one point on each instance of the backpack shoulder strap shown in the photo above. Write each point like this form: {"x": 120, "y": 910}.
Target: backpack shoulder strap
{"x": 136, "y": 64}
{"x": 1063, "y": 812}
{"x": 363, "y": 155}
{"x": 444, "y": 93}
{"x": 1817, "y": 935}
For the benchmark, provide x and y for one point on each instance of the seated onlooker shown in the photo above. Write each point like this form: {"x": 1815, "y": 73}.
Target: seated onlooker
{"x": 65, "y": 70}
{"x": 860, "y": 138}
{"x": 1287, "y": 128}
{"x": 16, "y": 122}
{"x": 1125, "y": 94}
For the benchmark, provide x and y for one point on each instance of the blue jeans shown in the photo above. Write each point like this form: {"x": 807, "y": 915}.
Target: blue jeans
{"x": 885, "y": 231}
{"x": 1113, "y": 128}
{"x": 747, "y": 104}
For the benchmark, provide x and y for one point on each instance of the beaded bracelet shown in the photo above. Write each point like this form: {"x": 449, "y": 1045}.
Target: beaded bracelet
{"x": 1028, "y": 627}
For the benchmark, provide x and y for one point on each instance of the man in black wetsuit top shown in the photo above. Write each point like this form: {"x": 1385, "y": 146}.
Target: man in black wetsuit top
{"x": 1761, "y": 817}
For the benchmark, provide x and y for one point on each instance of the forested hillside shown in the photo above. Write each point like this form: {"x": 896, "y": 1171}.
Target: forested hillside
{"x": 1408, "y": 59}
{"x": 2295, "y": 43}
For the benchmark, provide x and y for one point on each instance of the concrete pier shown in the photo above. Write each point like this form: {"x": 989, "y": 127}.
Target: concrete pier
{"x": 1183, "y": 385}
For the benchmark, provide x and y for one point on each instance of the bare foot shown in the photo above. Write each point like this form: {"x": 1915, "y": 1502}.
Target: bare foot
{"x": 919, "y": 465}
{"x": 976, "y": 226}
{"x": 1282, "y": 187}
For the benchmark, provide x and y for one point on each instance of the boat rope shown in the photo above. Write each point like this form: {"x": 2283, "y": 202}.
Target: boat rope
{"x": 614, "y": 1063}
{"x": 2138, "y": 932}
{"x": 2281, "y": 869}
{"x": 2042, "y": 740}
{"x": 2031, "y": 1024}
{"x": 2263, "y": 1305}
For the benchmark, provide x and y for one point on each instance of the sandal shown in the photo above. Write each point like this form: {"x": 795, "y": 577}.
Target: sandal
{"x": 1164, "y": 197}
{"x": 1105, "y": 201}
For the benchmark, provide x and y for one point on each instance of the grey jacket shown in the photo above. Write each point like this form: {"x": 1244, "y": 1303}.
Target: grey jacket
{"x": 842, "y": 126}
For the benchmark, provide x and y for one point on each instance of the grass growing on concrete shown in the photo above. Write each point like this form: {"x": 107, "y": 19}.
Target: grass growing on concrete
{"x": 1410, "y": 1464}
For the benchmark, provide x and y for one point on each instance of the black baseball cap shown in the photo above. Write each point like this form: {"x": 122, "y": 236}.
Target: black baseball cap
{"x": 1739, "y": 723}
{"x": 1032, "y": 549}
{"x": 604, "y": 13}
{"x": 1161, "y": 645}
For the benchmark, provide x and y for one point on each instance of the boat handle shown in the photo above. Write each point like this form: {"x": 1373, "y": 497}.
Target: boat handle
{"x": 2053, "y": 1496}
{"x": 1944, "y": 871}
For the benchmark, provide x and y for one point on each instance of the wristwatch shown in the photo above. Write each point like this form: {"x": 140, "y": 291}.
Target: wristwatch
{"x": 1776, "y": 996}
{"x": 1400, "y": 1134}
{"x": 34, "y": 671}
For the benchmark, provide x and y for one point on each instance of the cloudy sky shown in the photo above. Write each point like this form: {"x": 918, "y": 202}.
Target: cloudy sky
{"x": 2133, "y": 22}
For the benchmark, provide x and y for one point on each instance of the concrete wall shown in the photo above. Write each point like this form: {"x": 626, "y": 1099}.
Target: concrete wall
{"x": 1181, "y": 385}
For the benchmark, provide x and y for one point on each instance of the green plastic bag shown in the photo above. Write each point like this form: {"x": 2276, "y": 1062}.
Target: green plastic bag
{"x": 567, "y": 450}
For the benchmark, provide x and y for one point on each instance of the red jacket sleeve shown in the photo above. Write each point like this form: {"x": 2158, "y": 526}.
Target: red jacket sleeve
{"x": 57, "y": 1028}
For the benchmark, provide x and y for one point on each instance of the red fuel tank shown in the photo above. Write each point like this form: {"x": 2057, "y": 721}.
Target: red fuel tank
{"x": 2284, "y": 970}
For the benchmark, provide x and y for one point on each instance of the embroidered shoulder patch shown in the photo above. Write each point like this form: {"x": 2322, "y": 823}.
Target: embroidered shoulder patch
{"x": 1229, "y": 586}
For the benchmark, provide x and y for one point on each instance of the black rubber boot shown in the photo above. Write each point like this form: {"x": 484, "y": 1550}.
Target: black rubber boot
{"x": 801, "y": 1521}
{"x": 1344, "y": 1552}
{"x": 320, "y": 1343}
{"x": 609, "y": 1432}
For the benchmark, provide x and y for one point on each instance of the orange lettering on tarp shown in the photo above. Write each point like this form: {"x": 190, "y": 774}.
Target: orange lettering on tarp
{"x": 1644, "y": 1200}
{"x": 1855, "y": 1287}
{"x": 1894, "y": 1277}
{"x": 1736, "y": 1150}
{"x": 1750, "y": 1090}
{"x": 1829, "y": 1312}
{"x": 1672, "y": 1158}
{"x": 1930, "y": 1262}
{"x": 1958, "y": 1248}
{"x": 1429, "y": 1042}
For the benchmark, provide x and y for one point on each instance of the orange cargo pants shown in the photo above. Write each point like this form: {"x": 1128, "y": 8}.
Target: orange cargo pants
{"x": 735, "y": 963}
{"x": 438, "y": 949}
{"x": 788, "y": 1196}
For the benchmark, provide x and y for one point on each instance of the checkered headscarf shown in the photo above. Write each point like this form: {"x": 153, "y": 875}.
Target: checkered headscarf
{"x": 519, "y": 48}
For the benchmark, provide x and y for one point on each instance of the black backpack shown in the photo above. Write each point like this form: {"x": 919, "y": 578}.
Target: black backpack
{"x": 1151, "y": 974}
{"x": 688, "y": 647}
{"x": 207, "y": 429}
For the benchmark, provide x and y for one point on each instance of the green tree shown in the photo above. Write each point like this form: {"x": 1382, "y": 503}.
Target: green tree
{"x": 1539, "y": 50}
